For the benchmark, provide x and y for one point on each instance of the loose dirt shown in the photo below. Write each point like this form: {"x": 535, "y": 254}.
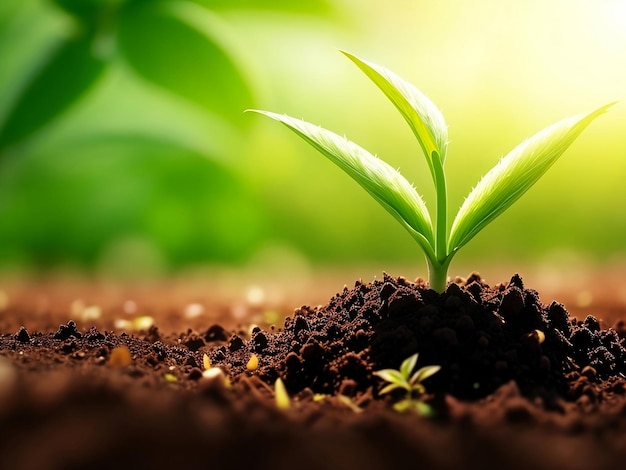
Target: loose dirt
{"x": 122, "y": 382}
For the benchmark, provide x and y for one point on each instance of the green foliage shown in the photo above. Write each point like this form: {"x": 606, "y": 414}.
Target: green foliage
{"x": 53, "y": 89}
{"x": 76, "y": 178}
{"x": 497, "y": 190}
{"x": 177, "y": 46}
{"x": 410, "y": 382}
{"x": 301, "y": 6}
{"x": 164, "y": 206}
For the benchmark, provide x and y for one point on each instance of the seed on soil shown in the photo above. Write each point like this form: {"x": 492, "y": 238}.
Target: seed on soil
{"x": 253, "y": 363}
{"x": 120, "y": 356}
{"x": 206, "y": 362}
{"x": 281, "y": 396}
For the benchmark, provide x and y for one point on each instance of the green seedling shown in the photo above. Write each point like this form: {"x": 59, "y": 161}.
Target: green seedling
{"x": 410, "y": 382}
{"x": 513, "y": 175}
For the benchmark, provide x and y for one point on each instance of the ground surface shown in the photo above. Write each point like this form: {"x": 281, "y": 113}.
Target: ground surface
{"x": 109, "y": 375}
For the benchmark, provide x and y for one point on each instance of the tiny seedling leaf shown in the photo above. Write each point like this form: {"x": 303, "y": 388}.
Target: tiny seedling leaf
{"x": 390, "y": 375}
{"x": 420, "y": 113}
{"x": 408, "y": 365}
{"x": 393, "y": 386}
{"x": 349, "y": 403}
{"x": 424, "y": 373}
{"x": 378, "y": 178}
{"x": 514, "y": 175}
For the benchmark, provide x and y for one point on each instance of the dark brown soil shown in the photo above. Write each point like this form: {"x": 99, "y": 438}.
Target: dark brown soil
{"x": 522, "y": 384}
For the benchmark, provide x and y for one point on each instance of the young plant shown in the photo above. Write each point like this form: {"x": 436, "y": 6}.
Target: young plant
{"x": 412, "y": 384}
{"x": 497, "y": 190}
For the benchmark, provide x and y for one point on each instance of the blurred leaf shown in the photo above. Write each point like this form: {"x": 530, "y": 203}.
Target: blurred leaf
{"x": 70, "y": 71}
{"x": 87, "y": 9}
{"x": 301, "y": 6}
{"x": 164, "y": 47}
{"x": 379, "y": 179}
{"x": 129, "y": 193}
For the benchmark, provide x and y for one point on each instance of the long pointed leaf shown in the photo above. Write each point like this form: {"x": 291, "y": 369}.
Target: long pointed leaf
{"x": 379, "y": 179}
{"x": 514, "y": 175}
{"x": 391, "y": 375}
{"x": 420, "y": 113}
{"x": 423, "y": 374}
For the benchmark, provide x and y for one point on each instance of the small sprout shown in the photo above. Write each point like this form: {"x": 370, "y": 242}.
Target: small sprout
{"x": 349, "y": 403}
{"x": 253, "y": 363}
{"x": 412, "y": 384}
{"x": 170, "y": 378}
{"x": 317, "y": 397}
{"x": 540, "y": 335}
{"x": 281, "y": 396}
{"x": 421, "y": 408}
{"x": 120, "y": 356}
{"x": 206, "y": 362}
{"x": 507, "y": 181}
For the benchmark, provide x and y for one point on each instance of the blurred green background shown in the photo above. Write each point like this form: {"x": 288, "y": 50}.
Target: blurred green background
{"x": 124, "y": 147}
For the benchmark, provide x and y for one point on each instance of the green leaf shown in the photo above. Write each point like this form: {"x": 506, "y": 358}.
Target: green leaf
{"x": 424, "y": 409}
{"x": 379, "y": 179}
{"x": 514, "y": 175}
{"x": 301, "y": 6}
{"x": 391, "y": 387}
{"x": 182, "y": 47}
{"x": 408, "y": 365}
{"x": 71, "y": 70}
{"x": 420, "y": 113}
{"x": 87, "y": 9}
{"x": 390, "y": 375}
{"x": 424, "y": 373}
